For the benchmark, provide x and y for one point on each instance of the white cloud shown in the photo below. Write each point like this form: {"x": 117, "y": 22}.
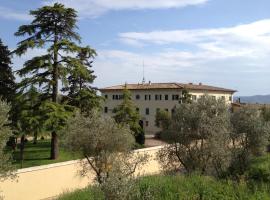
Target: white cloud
{"x": 93, "y": 8}
{"x": 8, "y": 13}
{"x": 251, "y": 40}
{"x": 210, "y": 65}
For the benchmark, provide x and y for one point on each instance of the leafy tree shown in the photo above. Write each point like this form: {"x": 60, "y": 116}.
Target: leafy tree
{"x": 163, "y": 119}
{"x": 80, "y": 92}
{"x": 249, "y": 137}
{"x": 7, "y": 84}
{"x": 185, "y": 97}
{"x": 105, "y": 145}
{"x": 53, "y": 28}
{"x": 265, "y": 112}
{"x": 5, "y": 133}
{"x": 198, "y": 137}
{"x": 126, "y": 114}
{"x": 30, "y": 117}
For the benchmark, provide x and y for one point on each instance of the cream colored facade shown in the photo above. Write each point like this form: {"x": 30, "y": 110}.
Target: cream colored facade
{"x": 154, "y": 104}
{"x": 49, "y": 181}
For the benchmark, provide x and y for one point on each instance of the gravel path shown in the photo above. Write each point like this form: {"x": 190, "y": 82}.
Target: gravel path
{"x": 152, "y": 142}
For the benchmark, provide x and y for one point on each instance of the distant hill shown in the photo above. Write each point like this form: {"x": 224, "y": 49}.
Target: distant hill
{"x": 262, "y": 99}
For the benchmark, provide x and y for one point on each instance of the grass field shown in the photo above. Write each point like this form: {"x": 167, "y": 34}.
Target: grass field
{"x": 180, "y": 187}
{"x": 39, "y": 154}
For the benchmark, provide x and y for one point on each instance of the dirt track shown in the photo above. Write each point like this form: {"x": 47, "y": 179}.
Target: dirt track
{"x": 151, "y": 142}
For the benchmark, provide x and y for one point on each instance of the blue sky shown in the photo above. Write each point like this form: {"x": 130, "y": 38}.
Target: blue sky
{"x": 218, "y": 42}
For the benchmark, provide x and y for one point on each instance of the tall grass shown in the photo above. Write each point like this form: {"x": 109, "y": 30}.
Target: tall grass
{"x": 179, "y": 187}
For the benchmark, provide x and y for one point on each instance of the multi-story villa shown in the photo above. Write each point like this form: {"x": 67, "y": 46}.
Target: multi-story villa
{"x": 151, "y": 97}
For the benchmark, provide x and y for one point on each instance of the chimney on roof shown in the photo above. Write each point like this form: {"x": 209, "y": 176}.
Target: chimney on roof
{"x": 149, "y": 82}
{"x": 200, "y": 83}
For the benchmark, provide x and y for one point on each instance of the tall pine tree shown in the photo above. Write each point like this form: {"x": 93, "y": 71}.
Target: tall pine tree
{"x": 80, "y": 92}
{"x": 53, "y": 28}
{"x": 7, "y": 84}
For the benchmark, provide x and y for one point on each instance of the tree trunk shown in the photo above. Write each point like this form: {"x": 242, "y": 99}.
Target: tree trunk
{"x": 35, "y": 138}
{"x": 54, "y": 146}
{"x": 54, "y": 140}
{"x": 22, "y": 144}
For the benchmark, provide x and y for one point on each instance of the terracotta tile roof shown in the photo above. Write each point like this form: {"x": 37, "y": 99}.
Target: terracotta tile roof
{"x": 148, "y": 86}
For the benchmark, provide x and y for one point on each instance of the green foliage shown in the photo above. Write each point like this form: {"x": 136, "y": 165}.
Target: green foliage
{"x": 106, "y": 147}
{"x": 185, "y": 97}
{"x": 249, "y": 138}
{"x": 259, "y": 169}
{"x": 7, "y": 84}
{"x": 163, "y": 119}
{"x": 29, "y": 113}
{"x": 89, "y": 193}
{"x": 198, "y": 137}
{"x": 56, "y": 115}
{"x": 126, "y": 114}
{"x": 80, "y": 92}
{"x": 53, "y": 27}
{"x": 180, "y": 187}
{"x": 5, "y": 133}
{"x": 265, "y": 111}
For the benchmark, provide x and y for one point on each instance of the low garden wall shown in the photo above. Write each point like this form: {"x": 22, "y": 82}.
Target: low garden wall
{"x": 48, "y": 181}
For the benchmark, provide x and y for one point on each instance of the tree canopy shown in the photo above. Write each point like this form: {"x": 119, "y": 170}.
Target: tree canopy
{"x": 7, "y": 79}
{"x": 5, "y": 133}
{"x": 53, "y": 28}
{"x": 199, "y": 137}
{"x": 126, "y": 114}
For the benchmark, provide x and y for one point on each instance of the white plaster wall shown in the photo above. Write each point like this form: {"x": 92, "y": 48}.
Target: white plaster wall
{"x": 49, "y": 181}
{"x": 153, "y": 104}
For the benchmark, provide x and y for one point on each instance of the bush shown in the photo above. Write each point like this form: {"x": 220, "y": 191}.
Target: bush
{"x": 140, "y": 138}
{"x": 259, "y": 169}
{"x": 198, "y": 137}
{"x": 249, "y": 139}
{"x": 89, "y": 193}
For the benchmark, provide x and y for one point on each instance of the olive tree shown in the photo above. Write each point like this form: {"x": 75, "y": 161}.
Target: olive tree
{"x": 265, "y": 112}
{"x": 249, "y": 137}
{"x": 5, "y": 133}
{"x": 106, "y": 147}
{"x": 198, "y": 137}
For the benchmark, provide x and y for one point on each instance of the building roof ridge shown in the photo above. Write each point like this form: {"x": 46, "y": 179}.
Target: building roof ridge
{"x": 167, "y": 85}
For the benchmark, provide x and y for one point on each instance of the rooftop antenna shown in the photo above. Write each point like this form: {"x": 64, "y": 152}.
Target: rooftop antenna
{"x": 143, "y": 80}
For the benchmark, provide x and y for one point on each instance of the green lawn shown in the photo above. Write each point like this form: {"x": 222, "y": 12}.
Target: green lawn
{"x": 39, "y": 154}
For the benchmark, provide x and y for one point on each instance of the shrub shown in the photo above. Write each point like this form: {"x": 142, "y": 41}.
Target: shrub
{"x": 107, "y": 150}
{"x": 259, "y": 169}
{"x": 249, "y": 139}
{"x": 198, "y": 137}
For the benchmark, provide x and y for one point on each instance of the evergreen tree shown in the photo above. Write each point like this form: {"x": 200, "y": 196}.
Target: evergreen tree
{"x": 53, "y": 28}
{"x": 7, "y": 84}
{"x": 28, "y": 115}
{"x": 126, "y": 114}
{"x": 185, "y": 97}
{"x": 80, "y": 92}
